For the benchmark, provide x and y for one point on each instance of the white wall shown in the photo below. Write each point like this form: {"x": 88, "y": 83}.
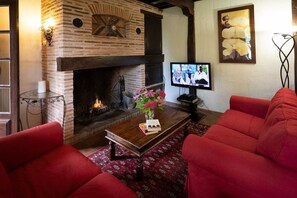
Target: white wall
{"x": 256, "y": 80}
{"x": 30, "y": 50}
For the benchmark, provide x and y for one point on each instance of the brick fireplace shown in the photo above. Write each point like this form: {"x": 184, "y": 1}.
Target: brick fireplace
{"x": 78, "y": 43}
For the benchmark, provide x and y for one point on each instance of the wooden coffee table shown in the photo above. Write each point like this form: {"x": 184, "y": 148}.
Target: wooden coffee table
{"x": 128, "y": 135}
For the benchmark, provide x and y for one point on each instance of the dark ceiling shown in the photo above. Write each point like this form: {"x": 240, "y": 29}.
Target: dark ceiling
{"x": 162, "y": 4}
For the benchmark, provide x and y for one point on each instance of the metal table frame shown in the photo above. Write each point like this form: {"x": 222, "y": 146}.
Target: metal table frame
{"x": 42, "y": 100}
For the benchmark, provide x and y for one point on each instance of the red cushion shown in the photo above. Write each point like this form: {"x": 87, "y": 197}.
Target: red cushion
{"x": 225, "y": 165}
{"x": 54, "y": 174}
{"x": 29, "y": 144}
{"x": 104, "y": 185}
{"x": 5, "y": 184}
{"x": 242, "y": 122}
{"x": 280, "y": 143}
{"x": 282, "y": 96}
{"x": 231, "y": 137}
{"x": 253, "y": 106}
{"x": 280, "y": 113}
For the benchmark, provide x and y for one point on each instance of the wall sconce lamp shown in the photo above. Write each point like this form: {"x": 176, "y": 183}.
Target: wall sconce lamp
{"x": 285, "y": 44}
{"x": 48, "y": 30}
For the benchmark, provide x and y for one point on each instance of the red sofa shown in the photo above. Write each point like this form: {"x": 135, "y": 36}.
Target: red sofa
{"x": 36, "y": 163}
{"x": 251, "y": 151}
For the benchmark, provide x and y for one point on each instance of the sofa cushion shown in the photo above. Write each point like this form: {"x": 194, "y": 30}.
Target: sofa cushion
{"x": 242, "y": 122}
{"x": 5, "y": 184}
{"x": 280, "y": 113}
{"x": 34, "y": 141}
{"x": 57, "y": 173}
{"x": 231, "y": 137}
{"x": 103, "y": 185}
{"x": 282, "y": 96}
{"x": 280, "y": 143}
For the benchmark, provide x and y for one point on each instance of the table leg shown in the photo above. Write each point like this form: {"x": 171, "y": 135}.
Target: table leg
{"x": 27, "y": 114}
{"x": 42, "y": 113}
{"x": 139, "y": 168}
{"x": 111, "y": 150}
{"x": 186, "y": 130}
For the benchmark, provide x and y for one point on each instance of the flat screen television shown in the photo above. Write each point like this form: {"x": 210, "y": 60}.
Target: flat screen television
{"x": 192, "y": 75}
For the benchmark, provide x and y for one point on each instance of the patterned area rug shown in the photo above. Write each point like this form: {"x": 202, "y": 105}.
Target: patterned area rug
{"x": 164, "y": 170}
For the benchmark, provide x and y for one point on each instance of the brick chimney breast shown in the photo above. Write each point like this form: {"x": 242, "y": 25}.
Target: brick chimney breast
{"x": 71, "y": 41}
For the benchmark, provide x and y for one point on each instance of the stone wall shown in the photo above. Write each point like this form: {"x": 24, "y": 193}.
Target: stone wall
{"x": 71, "y": 41}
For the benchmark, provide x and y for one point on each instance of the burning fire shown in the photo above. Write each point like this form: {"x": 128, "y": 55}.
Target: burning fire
{"x": 98, "y": 104}
{"x": 98, "y": 107}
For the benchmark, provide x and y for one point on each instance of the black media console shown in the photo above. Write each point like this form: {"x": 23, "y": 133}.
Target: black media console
{"x": 192, "y": 100}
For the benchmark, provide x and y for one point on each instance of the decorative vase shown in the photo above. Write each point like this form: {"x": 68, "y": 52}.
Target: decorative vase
{"x": 150, "y": 114}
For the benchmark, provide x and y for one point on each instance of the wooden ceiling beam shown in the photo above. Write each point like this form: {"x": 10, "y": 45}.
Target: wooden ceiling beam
{"x": 187, "y": 6}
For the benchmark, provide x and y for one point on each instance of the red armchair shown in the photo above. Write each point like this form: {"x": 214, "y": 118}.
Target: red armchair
{"x": 36, "y": 163}
{"x": 250, "y": 152}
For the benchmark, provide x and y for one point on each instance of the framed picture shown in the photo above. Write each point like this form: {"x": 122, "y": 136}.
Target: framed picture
{"x": 237, "y": 35}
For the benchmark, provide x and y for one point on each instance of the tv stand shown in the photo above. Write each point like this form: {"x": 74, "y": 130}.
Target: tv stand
{"x": 192, "y": 101}
{"x": 192, "y": 91}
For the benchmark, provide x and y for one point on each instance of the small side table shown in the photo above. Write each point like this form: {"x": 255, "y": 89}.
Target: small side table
{"x": 39, "y": 101}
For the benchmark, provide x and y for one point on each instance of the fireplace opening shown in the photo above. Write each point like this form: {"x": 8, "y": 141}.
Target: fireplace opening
{"x": 99, "y": 99}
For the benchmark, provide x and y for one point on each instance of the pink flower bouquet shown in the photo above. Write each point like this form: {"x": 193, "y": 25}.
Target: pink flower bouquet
{"x": 149, "y": 100}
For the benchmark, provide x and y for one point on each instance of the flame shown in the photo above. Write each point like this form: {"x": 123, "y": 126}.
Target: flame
{"x": 98, "y": 104}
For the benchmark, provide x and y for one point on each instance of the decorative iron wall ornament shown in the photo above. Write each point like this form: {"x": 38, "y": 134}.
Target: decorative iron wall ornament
{"x": 108, "y": 20}
{"x": 105, "y": 25}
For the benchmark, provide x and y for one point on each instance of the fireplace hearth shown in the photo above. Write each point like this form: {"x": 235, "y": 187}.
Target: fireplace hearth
{"x": 94, "y": 85}
{"x": 101, "y": 122}
{"x": 100, "y": 99}
{"x": 111, "y": 86}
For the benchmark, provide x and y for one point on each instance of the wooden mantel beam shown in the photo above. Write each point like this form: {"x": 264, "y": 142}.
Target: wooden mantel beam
{"x": 187, "y": 6}
{"x": 79, "y": 63}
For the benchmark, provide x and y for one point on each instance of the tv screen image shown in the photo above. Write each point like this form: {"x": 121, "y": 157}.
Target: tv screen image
{"x": 191, "y": 75}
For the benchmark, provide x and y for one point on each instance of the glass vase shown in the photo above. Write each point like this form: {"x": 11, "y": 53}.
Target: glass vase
{"x": 150, "y": 114}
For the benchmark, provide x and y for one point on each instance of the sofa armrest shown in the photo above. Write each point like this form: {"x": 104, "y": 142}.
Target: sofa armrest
{"x": 250, "y": 171}
{"x": 19, "y": 148}
{"x": 254, "y": 106}
{"x": 5, "y": 184}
